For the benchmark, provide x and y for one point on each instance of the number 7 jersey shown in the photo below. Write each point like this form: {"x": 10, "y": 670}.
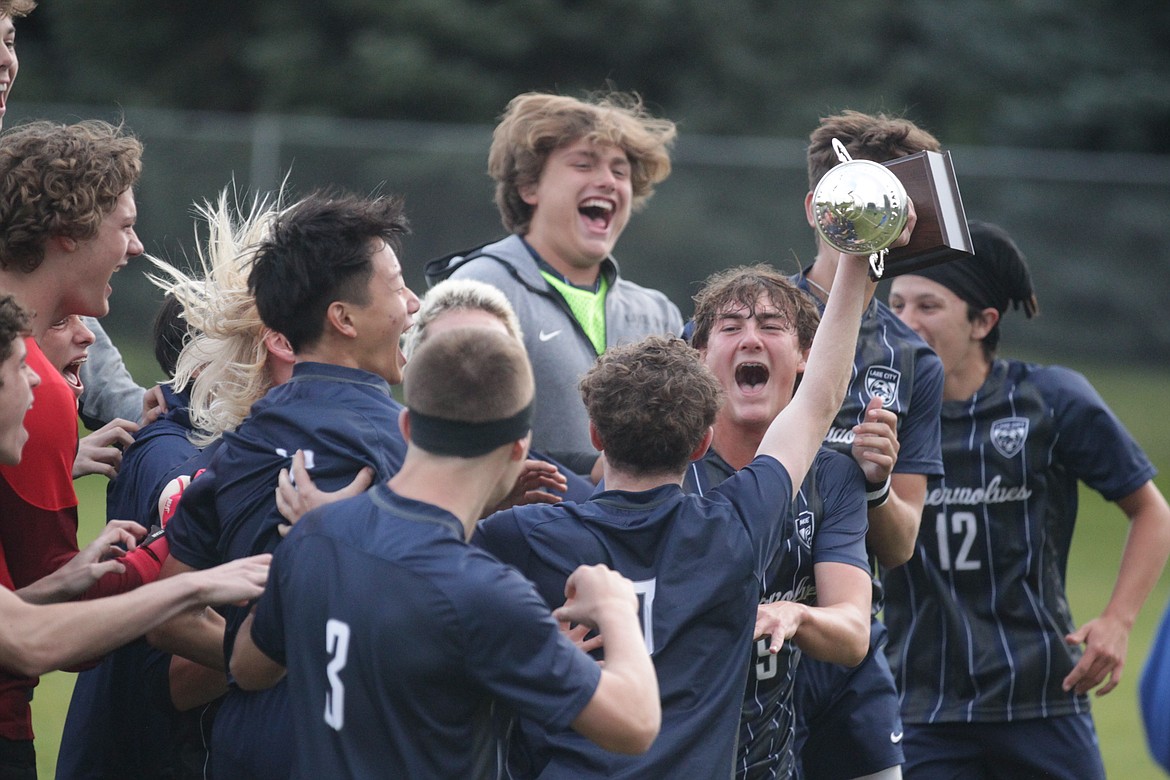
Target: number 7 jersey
{"x": 977, "y": 617}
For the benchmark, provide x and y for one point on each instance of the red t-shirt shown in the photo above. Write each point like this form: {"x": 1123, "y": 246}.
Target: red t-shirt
{"x": 38, "y": 520}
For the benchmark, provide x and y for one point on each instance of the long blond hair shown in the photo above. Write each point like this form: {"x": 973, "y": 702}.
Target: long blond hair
{"x": 223, "y": 362}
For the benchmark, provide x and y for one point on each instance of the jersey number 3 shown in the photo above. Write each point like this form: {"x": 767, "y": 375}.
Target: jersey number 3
{"x": 337, "y": 646}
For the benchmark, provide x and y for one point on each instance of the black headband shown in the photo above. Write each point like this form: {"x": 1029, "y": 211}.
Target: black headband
{"x": 995, "y": 277}
{"x": 442, "y": 436}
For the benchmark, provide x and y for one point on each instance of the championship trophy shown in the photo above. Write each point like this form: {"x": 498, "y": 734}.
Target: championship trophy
{"x": 860, "y": 208}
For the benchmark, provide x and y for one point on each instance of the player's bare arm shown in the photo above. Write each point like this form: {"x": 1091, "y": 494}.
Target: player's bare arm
{"x": 252, "y": 669}
{"x": 836, "y": 629}
{"x": 896, "y": 500}
{"x": 625, "y": 713}
{"x": 53, "y": 636}
{"x": 1106, "y": 637}
{"x": 195, "y": 633}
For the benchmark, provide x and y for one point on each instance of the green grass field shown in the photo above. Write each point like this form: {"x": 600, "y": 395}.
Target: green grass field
{"x": 1136, "y": 395}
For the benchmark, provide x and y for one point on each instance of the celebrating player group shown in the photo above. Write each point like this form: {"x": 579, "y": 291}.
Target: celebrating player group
{"x": 535, "y": 523}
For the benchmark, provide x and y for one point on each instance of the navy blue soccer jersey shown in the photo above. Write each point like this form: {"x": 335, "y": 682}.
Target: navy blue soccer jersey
{"x": 977, "y": 617}
{"x": 147, "y": 463}
{"x": 828, "y": 525}
{"x": 121, "y": 722}
{"x": 893, "y": 363}
{"x": 698, "y": 565}
{"x": 398, "y": 636}
{"x": 344, "y": 419}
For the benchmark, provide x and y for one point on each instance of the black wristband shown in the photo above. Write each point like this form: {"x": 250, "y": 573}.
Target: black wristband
{"x": 877, "y": 493}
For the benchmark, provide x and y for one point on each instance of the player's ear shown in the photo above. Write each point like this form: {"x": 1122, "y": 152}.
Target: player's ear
{"x": 65, "y": 243}
{"x": 705, "y": 444}
{"x": 404, "y": 424}
{"x": 984, "y": 323}
{"x": 808, "y": 210}
{"x": 277, "y": 344}
{"x": 520, "y": 448}
{"x": 595, "y": 438}
{"x": 337, "y": 316}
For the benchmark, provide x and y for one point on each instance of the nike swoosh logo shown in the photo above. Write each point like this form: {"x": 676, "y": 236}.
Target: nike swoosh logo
{"x": 896, "y": 738}
{"x": 547, "y": 336}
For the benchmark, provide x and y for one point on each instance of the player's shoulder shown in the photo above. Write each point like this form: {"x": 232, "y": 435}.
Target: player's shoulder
{"x": 831, "y": 462}
{"x": 1057, "y": 384}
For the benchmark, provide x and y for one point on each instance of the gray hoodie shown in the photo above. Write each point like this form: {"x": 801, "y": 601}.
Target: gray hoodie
{"x": 557, "y": 345}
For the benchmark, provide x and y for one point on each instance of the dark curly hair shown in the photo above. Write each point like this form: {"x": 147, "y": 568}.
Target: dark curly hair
{"x": 60, "y": 181}
{"x": 652, "y": 403}
{"x": 14, "y": 323}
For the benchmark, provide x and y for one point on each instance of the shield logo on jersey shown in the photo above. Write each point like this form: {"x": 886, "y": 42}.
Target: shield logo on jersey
{"x": 804, "y": 527}
{"x": 882, "y": 382}
{"x": 1009, "y": 434}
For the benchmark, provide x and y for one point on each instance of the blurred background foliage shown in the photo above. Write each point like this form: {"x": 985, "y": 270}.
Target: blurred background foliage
{"x": 1057, "y": 113}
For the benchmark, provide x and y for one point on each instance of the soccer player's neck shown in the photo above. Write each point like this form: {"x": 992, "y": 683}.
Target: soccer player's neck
{"x": 35, "y": 295}
{"x": 463, "y": 487}
{"x": 629, "y": 481}
{"x": 964, "y": 377}
{"x": 737, "y": 444}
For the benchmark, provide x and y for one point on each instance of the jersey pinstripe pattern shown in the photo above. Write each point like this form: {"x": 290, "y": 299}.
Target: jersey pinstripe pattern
{"x": 977, "y": 617}
{"x": 829, "y": 524}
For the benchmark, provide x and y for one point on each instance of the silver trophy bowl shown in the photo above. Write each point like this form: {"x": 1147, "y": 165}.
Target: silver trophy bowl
{"x": 860, "y": 207}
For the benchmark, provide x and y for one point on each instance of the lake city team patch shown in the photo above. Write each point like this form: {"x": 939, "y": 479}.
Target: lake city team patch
{"x": 804, "y": 527}
{"x": 882, "y": 382}
{"x": 1009, "y": 434}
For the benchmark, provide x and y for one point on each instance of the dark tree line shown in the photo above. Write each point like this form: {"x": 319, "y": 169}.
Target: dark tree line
{"x": 1065, "y": 74}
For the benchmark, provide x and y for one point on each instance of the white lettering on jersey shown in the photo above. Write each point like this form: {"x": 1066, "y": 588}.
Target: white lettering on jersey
{"x": 991, "y": 493}
{"x": 337, "y": 645}
{"x": 644, "y": 589}
{"x": 805, "y": 592}
{"x": 839, "y": 435}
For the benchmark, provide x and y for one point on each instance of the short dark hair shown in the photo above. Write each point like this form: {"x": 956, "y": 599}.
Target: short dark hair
{"x": 60, "y": 180}
{"x": 319, "y": 251}
{"x": 875, "y": 137}
{"x": 170, "y": 333}
{"x": 14, "y": 324}
{"x": 740, "y": 288}
{"x": 652, "y": 402}
{"x": 448, "y": 372}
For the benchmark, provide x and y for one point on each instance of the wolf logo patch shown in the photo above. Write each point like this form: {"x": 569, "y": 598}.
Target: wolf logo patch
{"x": 882, "y": 382}
{"x": 1009, "y": 434}
{"x": 804, "y": 527}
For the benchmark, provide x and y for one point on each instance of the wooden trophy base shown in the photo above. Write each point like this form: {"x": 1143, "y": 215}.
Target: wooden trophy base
{"x": 941, "y": 232}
